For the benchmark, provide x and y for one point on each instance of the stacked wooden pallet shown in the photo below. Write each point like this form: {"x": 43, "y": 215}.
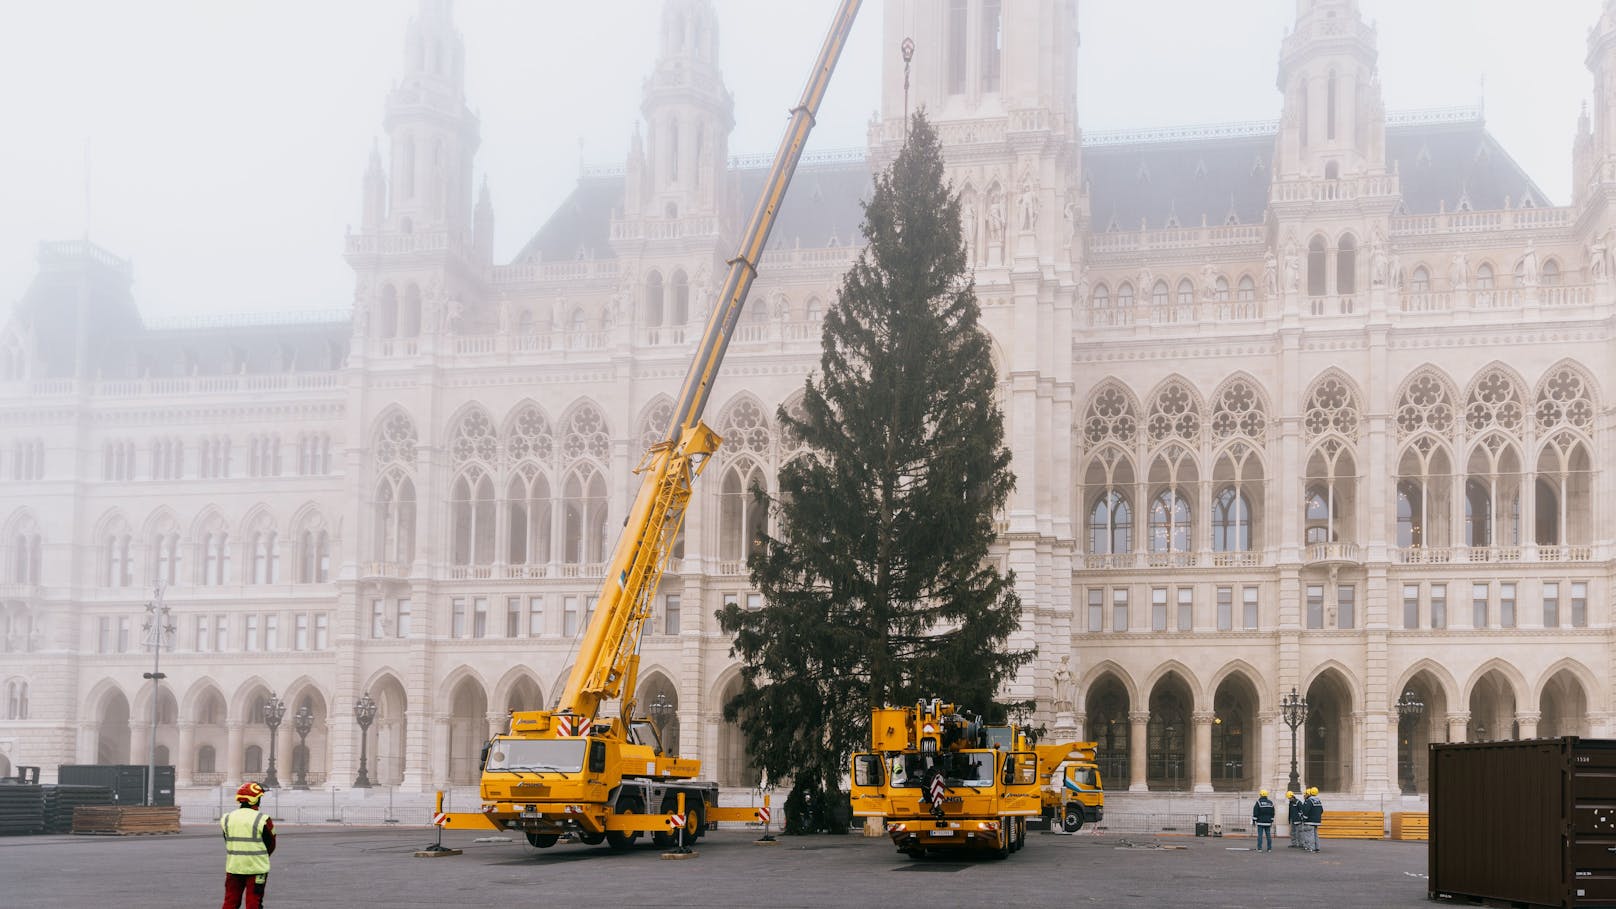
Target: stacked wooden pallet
{"x": 112, "y": 820}
{"x": 1410, "y": 825}
{"x": 1353, "y": 825}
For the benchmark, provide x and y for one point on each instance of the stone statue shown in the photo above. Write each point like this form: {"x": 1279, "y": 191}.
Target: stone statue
{"x": 1598, "y": 260}
{"x": 452, "y": 314}
{"x": 431, "y": 317}
{"x": 1209, "y": 281}
{"x": 1394, "y": 272}
{"x": 1270, "y": 274}
{"x": 1293, "y": 270}
{"x": 504, "y": 315}
{"x": 1459, "y": 272}
{"x": 968, "y": 222}
{"x": 1069, "y": 214}
{"x": 1083, "y": 288}
{"x": 701, "y": 289}
{"x": 1029, "y": 202}
{"x": 782, "y": 306}
{"x": 1065, "y": 686}
{"x": 1527, "y": 266}
{"x": 996, "y": 217}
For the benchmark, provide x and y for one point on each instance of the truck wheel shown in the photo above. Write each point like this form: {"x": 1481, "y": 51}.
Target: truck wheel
{"x": 542, "y": 840}
{"x": 623, "y": 839}
{"x": 592, "y": 839}
{"x": 1072, "y": 821}
{"x": 1006, "y": 831}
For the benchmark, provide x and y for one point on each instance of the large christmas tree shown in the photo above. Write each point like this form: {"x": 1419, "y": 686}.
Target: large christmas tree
{"x": 877, "y": 584}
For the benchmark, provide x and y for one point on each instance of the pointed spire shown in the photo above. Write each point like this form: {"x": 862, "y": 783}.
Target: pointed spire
{"x": 482, "y": 224}
{"x": 375, "y": 192}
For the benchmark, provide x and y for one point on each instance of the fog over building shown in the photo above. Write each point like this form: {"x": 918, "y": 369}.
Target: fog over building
{"x": 1316, "y": 403}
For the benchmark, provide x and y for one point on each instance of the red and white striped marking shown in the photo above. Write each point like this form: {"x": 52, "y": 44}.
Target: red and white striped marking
{"x": 676, "y": 821}
{"x": 938, "y": 788}
{"x": 569, "y": 726}
{"x": 763, "y": 815}
{"x": 439, "y": 819}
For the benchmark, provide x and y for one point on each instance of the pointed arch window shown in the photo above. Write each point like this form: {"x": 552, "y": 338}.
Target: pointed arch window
{"x": 266, "y": 557}
{"x": 742, "y": 521}
{"x": 314, "y": 549}
{"x": 653, "y": 299}
{"x": 215, "y": 557}
{"x": 1410, "y": 516}
{"x": 583, "y": 518}
{"x": 1231, "y": 521}
{"x": 1111, "y": 524}
{"x": 528, "y": 511}
{"x": 471, "y": 503}
{"x": 393, "y": 520}
{"x": 1318, "y": 512}
{"x": 1421, "y": 281}
{"x": 167, "y": 556}
{"x": 119, "y": 572}
{"x": 1170, "y": 522}
{"x": 1317, "y": 262}
{"x": 1346, "y": 265}
{"x": 992, "y": 44}
{"x": 957, "y": 22}
{"x": 679, "y": 305}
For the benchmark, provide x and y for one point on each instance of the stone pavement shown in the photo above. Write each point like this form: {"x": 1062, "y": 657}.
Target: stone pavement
{"x": 354, "y": 867}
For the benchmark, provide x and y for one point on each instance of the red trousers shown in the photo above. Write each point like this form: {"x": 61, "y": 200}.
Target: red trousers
{"x": 249, "y": 885}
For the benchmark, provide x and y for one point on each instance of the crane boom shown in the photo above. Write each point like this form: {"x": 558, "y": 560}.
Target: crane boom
{"x": 608, "y": 656}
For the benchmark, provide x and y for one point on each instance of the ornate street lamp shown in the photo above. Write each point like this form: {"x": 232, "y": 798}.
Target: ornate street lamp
{"x": 159, "y": 630}
{"x": 302, "y": 722}
{"x": 1293, "y": 707}
{"x": 660, "y": 710}
{"x": 1409, "y": 709}
{"x": 274, "y": 712}
{"x": 364, "y": 712}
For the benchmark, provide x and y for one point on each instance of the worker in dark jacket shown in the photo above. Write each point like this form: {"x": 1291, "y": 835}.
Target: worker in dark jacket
{"x": 1312, "y": 816}
{"x": 1262, "y": 817}
{"x": 1293, "y": 817}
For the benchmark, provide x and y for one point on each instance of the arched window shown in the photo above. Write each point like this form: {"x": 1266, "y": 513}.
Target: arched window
{"x": 1231, "y": 521}
{"x": 956, "y": 46}
{"x": 1220, "y": 289}
{"x": 1410, "y": 523}
{"x": 119, "y": 572}
{"x": 584, "y": 517}
{"x": 16, "y": 700}
{"x": 1102, "y": 300}
{"x": 1484, "y": 277}
{"x": 1329, "y": 108}
{"x": 742, "y": 521}
{"x": 528, "y": 519}
{"x": 1246, "y": 291}
{"x": 1332, "y": 171}
{"x": 1125, "y": 298}
{"x": 1551, "y": 272}
{"x": 991, "y": 36}
{"x": 393, "y": 520}
{"x": 653, "y": 299}
{"x": 205, "y": 759}
{"x": 265, "y": 554}
{"x": 1478, "y": 514}
{"x": 387, "y": 313}
{"x": 1346, "y": 265}
{"x": 254, "y": 760}
{"x": 1158, "y": 296}
{"x": 679, "y": 311}
{"x": 1110, "y": 525}
{"x": 1317, "y": 261}
{"x": 1421, "y": 281}
{"x": 1169, "y": 522}
{"x": 471, "y": 503}
{"x": 314, "y": 553}
{"x": 1318, "y": 517}
{"x": 213, "y": 553}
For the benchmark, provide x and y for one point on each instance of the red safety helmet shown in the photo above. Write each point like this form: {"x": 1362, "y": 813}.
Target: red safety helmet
{"x": 249, "y": 794}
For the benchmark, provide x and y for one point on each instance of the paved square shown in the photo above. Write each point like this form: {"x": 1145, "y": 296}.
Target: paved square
{"x": 352, "y": 867}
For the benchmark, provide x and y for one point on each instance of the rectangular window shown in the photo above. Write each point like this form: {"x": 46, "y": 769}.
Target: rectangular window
{"x": 479, "y": 617}
{"x": 322, "y": 632}
{"x": 1096, "y": 609}
{"x": 1119, "y": 609}
{"x": 754, "y": 602}
{"x": 123, "y": 635}
{"x": 457, "y": 616}
{"x": 272, "y": 632}
{"x": 105, "y": 635}
{"x": 1411, "y": 605}
{"x": 1158, "y": 609}
{"x": 1225, "y": 608}
{"x": 992, "y": 33}
{"x": 221, "y": 633}
{"x": 535, "y": 616}
{"x": 1186, "y": 609}
{"x": 1346, "y": 606}
{"x": 403, "y": 618}
{"x": 1506, "y": 605}
{"x": 1479, "y": 594}
{"x": 1439, "y": 605}
{"x": 569, "y": 616}
{"x": 249, "y": 635}
{"x": 670, "y": 614}
{"x": 300, "y": 633}
{"x": 513, "y": 617}
{"x": 1579, "y": 604}
{"x": 732, "y": 599}
{"x": 201, "y": 634}
{"x": 956, "y": 47}
{"x": 1315, "y": 606}
{"x": 1248, "y": 608}
{"x": 378, "y": 619}
{"x": 1551, "y": 604}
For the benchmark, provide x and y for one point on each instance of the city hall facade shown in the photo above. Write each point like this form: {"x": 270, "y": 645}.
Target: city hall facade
{"x": 1320, "y": 404}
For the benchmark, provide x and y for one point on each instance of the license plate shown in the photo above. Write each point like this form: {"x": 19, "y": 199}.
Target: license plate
{"x": 942, "y": 833}
{"x": 532, "y": 815}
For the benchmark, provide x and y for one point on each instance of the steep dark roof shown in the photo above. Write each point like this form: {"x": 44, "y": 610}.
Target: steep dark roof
{"x": 580, "y": 226}
{"x": 1440, "y": 164}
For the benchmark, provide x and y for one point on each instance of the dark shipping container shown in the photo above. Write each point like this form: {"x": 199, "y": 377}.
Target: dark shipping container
{"x": 127, "y": 781}
{"x": 1528, "y": 822}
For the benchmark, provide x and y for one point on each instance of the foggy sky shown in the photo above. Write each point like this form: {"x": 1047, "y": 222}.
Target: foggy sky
{"x": 227, "y": 140}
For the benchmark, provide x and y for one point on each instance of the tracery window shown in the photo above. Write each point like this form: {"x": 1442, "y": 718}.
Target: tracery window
{"x": 742, "y": 520}
{"x": 584, "y": 517}
{"x": 471, "y": 510}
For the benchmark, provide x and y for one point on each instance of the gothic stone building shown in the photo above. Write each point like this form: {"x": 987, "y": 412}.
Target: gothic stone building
{"x": 1315, "y": 404}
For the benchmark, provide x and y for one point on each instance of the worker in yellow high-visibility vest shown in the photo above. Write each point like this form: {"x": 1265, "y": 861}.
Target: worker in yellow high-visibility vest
{"x": 249, "y": 839}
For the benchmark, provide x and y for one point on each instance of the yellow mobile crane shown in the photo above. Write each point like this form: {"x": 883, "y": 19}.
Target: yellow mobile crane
{"x": 945, "y": 781}
{"x": 570, "y": 770}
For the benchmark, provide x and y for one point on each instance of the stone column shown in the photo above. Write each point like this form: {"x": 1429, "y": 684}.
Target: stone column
{"x": 1203, "y": 751}
{"x": 185, "y": 755}
{"x": 233, "y": 759}
{"x": 499, "y": 723}
{"x": 1456, "y": 727}
{"x": 89, "y": 742}
{"x": 1528, "y": 721}
{"x": 1138, "y": 724}
{"x": 439, "y": 774}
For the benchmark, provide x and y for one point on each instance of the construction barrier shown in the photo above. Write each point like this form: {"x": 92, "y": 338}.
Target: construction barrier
{"x": 1410, "y": 825}
{"x": 1353, "y": 825}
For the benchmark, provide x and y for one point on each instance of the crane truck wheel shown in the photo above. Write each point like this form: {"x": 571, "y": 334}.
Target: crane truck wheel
{"x": 623, "y": 839}
{"x": 542, "y": 840}
{"x": 1072, "y": 821}
{"x": 1006, "y": 830}
{"x": 592, "y": 839}
{"x": 1020, "y": 841}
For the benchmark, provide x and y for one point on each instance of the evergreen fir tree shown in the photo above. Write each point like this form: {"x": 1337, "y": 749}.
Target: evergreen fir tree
{"x": 877, "y": 584}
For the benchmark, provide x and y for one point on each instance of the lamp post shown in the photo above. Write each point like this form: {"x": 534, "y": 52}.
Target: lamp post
{"x": 302, "y": 722}
{"x": 1293, "y": 708}
{"x": 1409, "y": 709}
{"x": 274, "y": 712}
{"x": 159, "y": 632}
{"x": 659, "y": 710}
{"x": 364, "y": 712}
